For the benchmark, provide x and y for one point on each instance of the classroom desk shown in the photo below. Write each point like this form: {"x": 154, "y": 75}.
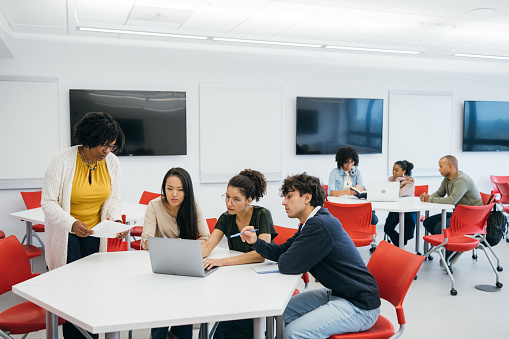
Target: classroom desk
{"x": 91, "y": 293}
{"x": 133, "y": 212}
{"x": 405, "y": 204}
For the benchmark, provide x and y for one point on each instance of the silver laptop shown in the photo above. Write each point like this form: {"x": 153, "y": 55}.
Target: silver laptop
{"x": 177, "y": 257}
{"x": 383, "y": 191}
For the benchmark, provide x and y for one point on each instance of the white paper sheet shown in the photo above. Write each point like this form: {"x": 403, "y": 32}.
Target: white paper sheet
{"x": 109, "y": 229}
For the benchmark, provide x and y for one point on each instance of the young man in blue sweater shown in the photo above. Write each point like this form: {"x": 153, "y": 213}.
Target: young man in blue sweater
{"x": 350, "y": 301}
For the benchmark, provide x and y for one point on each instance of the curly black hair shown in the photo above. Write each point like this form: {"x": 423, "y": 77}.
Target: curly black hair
{"x": 406, "y": 166}
{"x": 304, "y": 183}
{"x": 252, "y": 184}
{"x": 346, "y": 153}
{"x": 98, "y": 129}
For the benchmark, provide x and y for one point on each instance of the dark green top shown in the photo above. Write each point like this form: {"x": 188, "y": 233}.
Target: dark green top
{"x": 261, "y": 219}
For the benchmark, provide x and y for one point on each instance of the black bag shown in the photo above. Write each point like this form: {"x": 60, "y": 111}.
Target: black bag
{"x": 496, "y": 226}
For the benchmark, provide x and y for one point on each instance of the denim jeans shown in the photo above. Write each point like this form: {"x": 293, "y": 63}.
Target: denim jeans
{"x": 78, "y": 248}
{"x": 181, "y": 332}
{"x": 318, "y": 314}
{"x": 433, "y": 224}
{"x": 390, "y": 226}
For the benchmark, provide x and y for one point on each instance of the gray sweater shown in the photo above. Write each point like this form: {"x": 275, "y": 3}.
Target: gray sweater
{"x": 460, "y": 191}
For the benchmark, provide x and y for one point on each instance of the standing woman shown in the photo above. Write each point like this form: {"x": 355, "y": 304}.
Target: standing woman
{"x": 347, "y": 175}
{"x": 176, "y": 214}
{"x": 81, "y": 188}
{"x": 402, "y": 173}
{"x": 242, "y": 189}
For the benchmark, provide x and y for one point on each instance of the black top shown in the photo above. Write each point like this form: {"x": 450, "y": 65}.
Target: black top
{"x": 323, "y": 248}
{"x": 261, "y": 220}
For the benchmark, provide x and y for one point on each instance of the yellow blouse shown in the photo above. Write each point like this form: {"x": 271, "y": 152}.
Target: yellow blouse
{"x": 87, "y": 198}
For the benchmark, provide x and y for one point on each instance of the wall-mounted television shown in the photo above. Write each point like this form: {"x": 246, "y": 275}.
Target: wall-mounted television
{"x": 154, "y": 122}
{"x": 486, "y": 126}
{"x": 324, "y": 125}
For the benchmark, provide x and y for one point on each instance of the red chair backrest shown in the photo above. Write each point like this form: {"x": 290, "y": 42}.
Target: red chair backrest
{"x": 498, "y": 178}
{"x": 485, "y": 198}
{"x": 421, "y": 189}
{"x": 394, "y": 270}
{"x": 503, "y": 189}
{"x": 147, "y": 196}
{"x": 283, "y": 234}
{"x": 469, "y": 220}
{"x": 14, "y": 264}
{"x": 353, "y": 217}
{"x": 326, "y": 188}
{"x": 211, "y": 223}
{"x": 32, "y": 199}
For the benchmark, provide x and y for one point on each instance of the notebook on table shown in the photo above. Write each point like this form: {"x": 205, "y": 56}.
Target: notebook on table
{"x": 383, "y": 191}
{"x": 177, "y": 257}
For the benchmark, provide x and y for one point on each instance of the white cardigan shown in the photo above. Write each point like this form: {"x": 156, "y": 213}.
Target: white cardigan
{"x": 56, "y": 203}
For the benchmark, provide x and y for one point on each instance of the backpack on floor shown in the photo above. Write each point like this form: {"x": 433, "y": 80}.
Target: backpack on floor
{"x": 496, "y": 225}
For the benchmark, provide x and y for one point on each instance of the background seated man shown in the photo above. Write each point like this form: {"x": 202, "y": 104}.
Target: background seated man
{"x": 459, "y": 188}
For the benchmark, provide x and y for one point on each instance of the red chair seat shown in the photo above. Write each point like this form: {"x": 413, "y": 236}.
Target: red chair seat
{"x": 382, "y": 329}
{"x": 114, "y": 247}
{"x": 456, "y": 244}
{"x": 38, "y": 227}
{"x": 136, "y": 244}
{"x": 360, "y": 239}
{"x": 32, "y": 251}
{"x": 24, "y": 318}
{"x": 136, "y": 231}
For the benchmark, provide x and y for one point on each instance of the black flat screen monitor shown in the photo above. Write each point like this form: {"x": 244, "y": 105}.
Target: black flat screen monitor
{"x": 154, "y": 122}
{"x": 486, "y": 126}
{"x": 324, "y": 125}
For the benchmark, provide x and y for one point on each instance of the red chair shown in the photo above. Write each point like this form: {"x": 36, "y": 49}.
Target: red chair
{"x": 499, "y": 179}
{"x": 326, "y": 188}
{"x": 394, "y": 270}
{"x": 136, "y": 231}
{"x": 356, "y": 221}
{"x": 33, "y": 200}
{"x": 2, "y": 234}
{"x": 467, "y": 230}
{"x": 25, "y": 317}
{"x": 211, "y": 223}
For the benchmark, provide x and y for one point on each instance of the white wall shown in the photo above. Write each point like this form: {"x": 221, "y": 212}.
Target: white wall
{"x": 125, "y": 64}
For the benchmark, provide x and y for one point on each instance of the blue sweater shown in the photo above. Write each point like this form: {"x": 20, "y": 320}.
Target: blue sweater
{"x": 323, "y": 248}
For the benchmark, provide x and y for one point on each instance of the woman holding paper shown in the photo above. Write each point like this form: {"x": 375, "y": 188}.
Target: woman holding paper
{"x": 175, "y": 214}
{"x": 80, "y": 189}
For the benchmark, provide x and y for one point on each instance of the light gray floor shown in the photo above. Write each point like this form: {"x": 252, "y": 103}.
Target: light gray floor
{"x": 431, "y": 312}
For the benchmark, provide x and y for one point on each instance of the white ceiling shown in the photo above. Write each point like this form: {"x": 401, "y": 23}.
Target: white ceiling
{"x": 437, "y": 28}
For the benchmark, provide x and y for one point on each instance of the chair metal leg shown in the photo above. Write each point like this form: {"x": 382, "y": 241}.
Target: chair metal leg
{"x": 4, "y": 335}
{"x": 498, "y": 283}
{"x": 486, "y": 244}
{"x": 38, "y": 239}
{"x": 453, "y": 285}
{"x": 280, "y": 326}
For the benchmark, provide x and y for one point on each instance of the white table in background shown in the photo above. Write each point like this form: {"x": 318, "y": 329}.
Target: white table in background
{"x": 133, "y": 212}
{"x": 91, "y": 293}
{"x": 403, "y": 205}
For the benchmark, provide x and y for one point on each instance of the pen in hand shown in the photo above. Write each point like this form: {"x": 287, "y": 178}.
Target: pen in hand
{"x": 239, "y": 234}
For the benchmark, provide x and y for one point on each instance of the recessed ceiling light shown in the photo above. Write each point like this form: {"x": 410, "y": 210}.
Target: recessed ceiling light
{"x": 373, "y": 50}
{"x": 482, "y": 56}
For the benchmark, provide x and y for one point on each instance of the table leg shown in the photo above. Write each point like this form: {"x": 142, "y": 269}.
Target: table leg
{"x": 129, "y": 240}
{"x": 204, "y": 331}
{"x": 258, "y": 328}
{"x": 418, "y": 232}
{"x": 269, "y": 326}
{"x": 113, "y": 335}
{"x": 280, "y": 326}
{"x": 28, "y": 231}
{"x": 401, "y": 230}
{"x": 444, "y": 219}
{"x": 51, "y": 326}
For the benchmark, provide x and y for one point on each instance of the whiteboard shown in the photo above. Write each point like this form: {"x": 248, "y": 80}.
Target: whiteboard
{"x": 240, "y": 127}
{"x": 420, "y": 125}
{"x": 29, "y": 132}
